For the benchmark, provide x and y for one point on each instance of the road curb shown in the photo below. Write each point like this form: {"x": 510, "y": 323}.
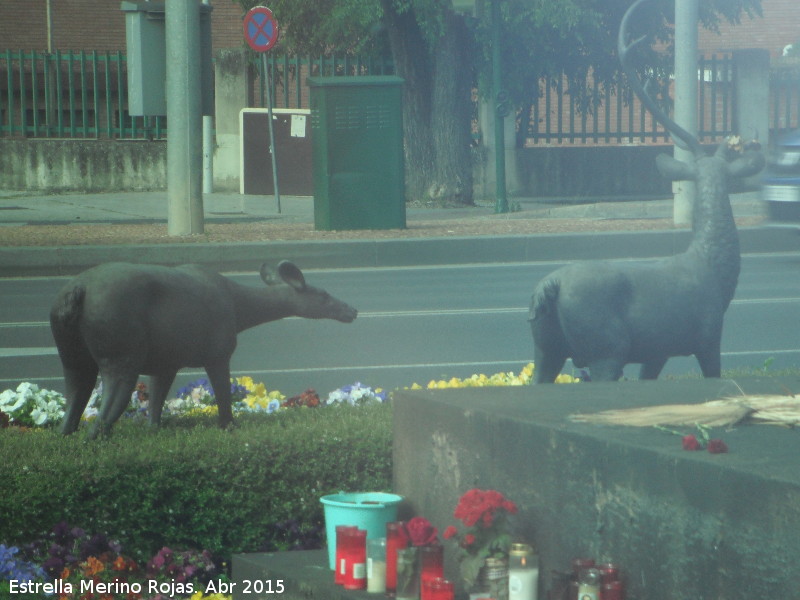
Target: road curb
{"x": 67, "y": 260}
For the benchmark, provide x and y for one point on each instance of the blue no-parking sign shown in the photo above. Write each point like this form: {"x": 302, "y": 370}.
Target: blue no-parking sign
{"x": 260, "y": 29}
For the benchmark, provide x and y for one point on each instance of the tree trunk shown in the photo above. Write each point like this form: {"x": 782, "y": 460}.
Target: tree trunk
{"x": 411, "y": 63}
{"x": 436, "y": 109}
{"x": 452, "y": 115}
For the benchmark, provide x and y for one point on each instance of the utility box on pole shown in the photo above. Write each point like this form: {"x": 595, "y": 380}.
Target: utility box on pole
{"x": 146, "y": 43}
{"x": 357, "y": 152}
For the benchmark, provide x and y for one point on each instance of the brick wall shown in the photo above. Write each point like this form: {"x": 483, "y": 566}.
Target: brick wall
{"x": 779, "y": 26}
{"x": 93, "y": 25}
{"x": 100, "y": 25}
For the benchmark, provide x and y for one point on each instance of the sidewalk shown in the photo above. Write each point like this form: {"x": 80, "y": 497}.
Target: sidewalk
{"x": 537, "y": 231}
{"x": 18, "y": 208}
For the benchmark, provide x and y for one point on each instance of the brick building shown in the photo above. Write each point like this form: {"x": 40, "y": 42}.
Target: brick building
{"x": 99, "y": 25}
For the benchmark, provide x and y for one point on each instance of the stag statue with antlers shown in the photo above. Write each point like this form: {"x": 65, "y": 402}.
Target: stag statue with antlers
{"x": 605, "y": 315}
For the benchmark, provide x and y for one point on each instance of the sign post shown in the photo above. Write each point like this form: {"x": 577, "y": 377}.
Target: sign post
{"x": 261, "y": 34}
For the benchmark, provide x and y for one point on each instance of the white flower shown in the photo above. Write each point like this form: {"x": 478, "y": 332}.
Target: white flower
{"x": 30, "y": 405}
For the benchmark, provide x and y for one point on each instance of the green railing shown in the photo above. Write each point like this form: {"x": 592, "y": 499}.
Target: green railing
{"x": 785, "y": 96}
{"x": 84, "y": 95}
{"x": 560, "y": 118}
{"x": 69, "y": 94}
{"x": 287, "y": 75}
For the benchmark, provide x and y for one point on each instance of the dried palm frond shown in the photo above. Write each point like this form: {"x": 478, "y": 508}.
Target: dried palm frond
{"x": 769, "y": 409}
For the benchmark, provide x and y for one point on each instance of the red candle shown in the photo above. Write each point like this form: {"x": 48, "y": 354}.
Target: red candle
{"x": 342, "y": 540}
{"x": 613, "y": 590}
{"x": 609, "y": 572}
{"x": 431, "y": 561}
{"x": 395, "y": 539}
{"x": 356, "y": 578}
{"x": 438, "y": 588}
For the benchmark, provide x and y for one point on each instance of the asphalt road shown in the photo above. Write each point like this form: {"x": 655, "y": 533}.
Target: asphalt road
{"x": 415, "y": 324}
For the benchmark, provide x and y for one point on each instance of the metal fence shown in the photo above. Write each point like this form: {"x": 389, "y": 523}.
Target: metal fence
{"x": 69, "y": 95}
{"x": 84, "y": 95}
{"x": 287, "y": 75}
{"x": 785, "y": 95}
{"x": 560, "y": 118}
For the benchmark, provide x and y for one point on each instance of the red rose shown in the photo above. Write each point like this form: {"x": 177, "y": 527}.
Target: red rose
{"x": 469, "y": 539}
{"x": 717, "y": 446}
{"x": 450, "y": 532}
{"x": 421, "y": 532}
{"x": 690, "y": 443}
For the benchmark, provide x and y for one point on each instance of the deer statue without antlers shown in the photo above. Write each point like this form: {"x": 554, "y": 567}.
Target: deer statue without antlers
{"x": 124, "y": 320}
{"x": 605, "y": 315}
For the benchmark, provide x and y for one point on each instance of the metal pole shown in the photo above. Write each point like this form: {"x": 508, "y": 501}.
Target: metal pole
{"x": 686, "y": 20}
{"x": 501, "y": 202}
{"x": 208, "y": 148}
{"x": 185, "y": 142}
{"x": 49, "y": 12}
{"x": 271, "y": 133}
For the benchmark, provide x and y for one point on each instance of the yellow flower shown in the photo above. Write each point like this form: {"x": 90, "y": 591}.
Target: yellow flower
{"x": 202, "y": 411}
{"x": 246, "y": 382}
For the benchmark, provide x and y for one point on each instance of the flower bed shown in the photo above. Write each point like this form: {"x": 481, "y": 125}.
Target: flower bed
{"x": 30, "y": 406}
{"x": 258, "y": 490}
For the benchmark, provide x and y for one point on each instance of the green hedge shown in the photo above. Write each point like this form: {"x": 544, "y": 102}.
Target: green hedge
{"x": 190, "y": 484}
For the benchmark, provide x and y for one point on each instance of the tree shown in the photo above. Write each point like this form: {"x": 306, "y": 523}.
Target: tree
{"x": 443, "y": 56}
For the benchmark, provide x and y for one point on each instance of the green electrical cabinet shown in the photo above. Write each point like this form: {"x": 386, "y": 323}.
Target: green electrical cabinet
{"x": 357, "y": 152}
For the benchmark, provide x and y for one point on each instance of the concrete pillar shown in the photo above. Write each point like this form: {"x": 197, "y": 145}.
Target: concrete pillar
{"x": 686, "y": 23}
{"x": 751, "y": 77}
{"x": 184, "y": 115}
{"x": 233, "y": 92}
{"x": 751, "y": 85}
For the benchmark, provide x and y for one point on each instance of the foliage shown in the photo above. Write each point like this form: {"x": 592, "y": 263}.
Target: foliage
{"x": 540, "y": 38}
{"x": 427, "y": 39}
{"x": 190, "y": 484}
{"x": 92, "y": 567}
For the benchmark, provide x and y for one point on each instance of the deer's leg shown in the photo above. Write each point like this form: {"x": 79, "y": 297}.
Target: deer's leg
{"x": 652, "y": 369}
{"x": 159, "y": 388}
{"x": 710, "y": 361}
{"x": 79, "y": 385}
{"x": 117, "y": 390}
{"x": 549, "y": 348}
{"x": 547, "y": 365}
{"x": 219, "y": 375}
{"x": 606, "y": 369}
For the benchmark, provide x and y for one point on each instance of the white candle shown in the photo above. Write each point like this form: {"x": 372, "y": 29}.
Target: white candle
{"x": 523, "y": 583}
{"x": 376, "y": 575}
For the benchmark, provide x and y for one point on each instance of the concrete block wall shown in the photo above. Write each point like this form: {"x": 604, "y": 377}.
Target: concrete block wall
{"x": 681, "y": 524}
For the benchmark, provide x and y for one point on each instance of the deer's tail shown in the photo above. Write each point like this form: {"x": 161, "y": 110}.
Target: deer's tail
{"x": 543, "y": 302}
{"x": 68, "y": 307}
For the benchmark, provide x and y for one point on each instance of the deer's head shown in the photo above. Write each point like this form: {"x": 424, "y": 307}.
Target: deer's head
{"x": 732, "y": 159}
{"x": 307, "y": 301}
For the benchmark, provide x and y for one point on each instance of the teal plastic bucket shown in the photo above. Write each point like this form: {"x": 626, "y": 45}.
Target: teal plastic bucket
{"x": 365, "y": 510}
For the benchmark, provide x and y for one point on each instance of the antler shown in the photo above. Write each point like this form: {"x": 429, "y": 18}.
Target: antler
{"x": 675, "y": 130}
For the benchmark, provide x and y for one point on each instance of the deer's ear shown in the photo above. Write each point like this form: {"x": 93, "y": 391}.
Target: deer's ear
{"x": 292, "y": 275}
{"x": 749, "y": 164}
{"x": 675, "y": 170}
{"x": 268, "y": 275}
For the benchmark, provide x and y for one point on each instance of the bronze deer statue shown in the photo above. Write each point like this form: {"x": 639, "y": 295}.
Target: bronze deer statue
{"x": 124, "y": 320}
{"x": 606, "y": 314}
